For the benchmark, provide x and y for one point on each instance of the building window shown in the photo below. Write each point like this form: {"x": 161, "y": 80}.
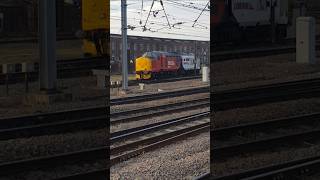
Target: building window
{"x": 135, "y": 46}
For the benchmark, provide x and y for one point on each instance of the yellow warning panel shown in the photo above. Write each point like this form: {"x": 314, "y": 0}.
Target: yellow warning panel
{"x": 89, "y": 48}
{"x": 95, "y": 14}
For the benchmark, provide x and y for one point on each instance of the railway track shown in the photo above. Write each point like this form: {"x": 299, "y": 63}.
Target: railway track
{"x": 267, "y": 136}
{"x": 245, "y": 97}
{"x": 264, "y": 135}
{"x": 168, "y": 131}
{"x": 102, "y": 173}
{"x": 95, "y": 117}
{"x": 92, "y": 155}
{"x": 295, "y": 169}
{"x": 90, "y": 118}
{"x": 71, "y": 121}
{"x": 142, "y": 113}
{"x": 96, "y": 154}
{"x": 298, "y": 169}
{"x": 157, "y": 96}
{"x": 190, "y": 77}
{"x": 82, "y": 156}
{"x": 132, "y": 142}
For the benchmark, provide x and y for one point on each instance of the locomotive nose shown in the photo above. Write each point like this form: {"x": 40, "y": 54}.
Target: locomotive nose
{"x": 143, "y": 64}
{"x": 143, "y": 68}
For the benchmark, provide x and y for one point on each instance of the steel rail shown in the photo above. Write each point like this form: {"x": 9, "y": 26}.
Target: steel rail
{"x": 52, "y": 128}
{"x": 157, "y": 96}
{"x": 253, "y": 144}
{"x": 131, "y": 115}
{"x": 228, "y": 151}
{"x": 77, "y": 120}
{"x": 270, "y": 170}
{"x": 94, "y": 175}
{"x": 297, "y": 171}
{"x": 158, "y": 142}
{"x": 142, "y": 130}
{"x": 224, "y": 99}
{"x": 245, "y": 97}
{"x": 88, "y": 155}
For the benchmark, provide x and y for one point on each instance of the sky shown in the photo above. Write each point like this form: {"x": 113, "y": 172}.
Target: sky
{"x": 181, "y": 16}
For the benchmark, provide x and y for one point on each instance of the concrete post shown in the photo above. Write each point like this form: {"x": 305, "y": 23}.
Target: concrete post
{"x": 47, "y": 45}
{"x": 205, "y": 74}
{"x": 306, "y": 40}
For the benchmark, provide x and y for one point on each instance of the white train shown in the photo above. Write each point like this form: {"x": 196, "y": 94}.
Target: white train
{"x": 189, "y": 63}
{"x": 238, "y": 20}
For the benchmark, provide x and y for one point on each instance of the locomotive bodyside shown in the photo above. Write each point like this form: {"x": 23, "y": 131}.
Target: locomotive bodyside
{"x": 157, "y": 64}
{"x": 95, "y": 17}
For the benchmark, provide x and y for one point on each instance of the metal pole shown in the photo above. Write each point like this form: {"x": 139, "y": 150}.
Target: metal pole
{"x": 26, "y": 78}
{"x": 272, "y": 21}
{"x": 7, "y": 84}
{"x": 124, "y": 45}
{"x": 47, "y": 45}
{"x": 301, "y": 8}
{"x": 195, "y": 57}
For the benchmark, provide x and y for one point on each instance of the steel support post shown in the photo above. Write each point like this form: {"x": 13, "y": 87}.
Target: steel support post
{"x": 124, "y": 45}
{"x": 47, "y": 45}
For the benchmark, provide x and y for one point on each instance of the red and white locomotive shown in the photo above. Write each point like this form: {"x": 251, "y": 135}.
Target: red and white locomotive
{"x": 157, "y": 64}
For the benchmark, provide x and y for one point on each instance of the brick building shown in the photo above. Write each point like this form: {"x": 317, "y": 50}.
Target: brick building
{"x": 139, "y": 45}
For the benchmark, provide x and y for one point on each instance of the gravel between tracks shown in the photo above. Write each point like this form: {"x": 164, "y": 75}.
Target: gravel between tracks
{"x": 260, "y": 113}
{"x": 266, "y": 112}
{"x": 250, "y": 161}
{"x": 183, "y": 160}
{"x": 82, "y": 90}
{"x": 23, "y": 148}
{"x": 166, "y": 86}
{"x": 152, "y": 120}
{"x": 257, "y": 70}
{"x": 57, "y": 172}
{"x": 119, "y": 108}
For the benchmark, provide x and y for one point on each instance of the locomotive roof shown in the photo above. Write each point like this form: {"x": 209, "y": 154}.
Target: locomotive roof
{"x": 164, "y": 53}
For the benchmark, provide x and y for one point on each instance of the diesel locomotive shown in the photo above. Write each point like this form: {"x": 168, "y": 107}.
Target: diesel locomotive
{"x": 95, "y": 27}
{"x": 158, "y": 64}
